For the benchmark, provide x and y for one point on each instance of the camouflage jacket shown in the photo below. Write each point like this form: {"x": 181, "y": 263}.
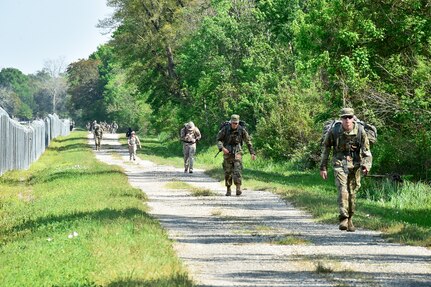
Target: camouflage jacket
{"x": 98, "y": 131}
{"x": 133, "y": 140}
{"x": 353, "y": 144}
{"x": 190, "y": 136}
{"x": 232, "y": 139}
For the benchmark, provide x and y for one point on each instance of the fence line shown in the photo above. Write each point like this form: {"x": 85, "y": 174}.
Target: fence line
{"x": 23, "y": 144}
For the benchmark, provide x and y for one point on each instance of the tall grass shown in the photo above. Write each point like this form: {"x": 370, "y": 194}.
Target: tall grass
{"x": 72, "y": 221}
{"x": 402, "y": 212}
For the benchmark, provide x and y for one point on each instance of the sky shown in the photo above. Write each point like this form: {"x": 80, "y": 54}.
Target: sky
{"x": 35, "y": 31}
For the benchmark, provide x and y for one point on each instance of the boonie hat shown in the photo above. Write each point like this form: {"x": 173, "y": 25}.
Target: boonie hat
{"x": 347, "y": 112}
{"x": 190, "y": 125}
{"x": 234, "y": 119}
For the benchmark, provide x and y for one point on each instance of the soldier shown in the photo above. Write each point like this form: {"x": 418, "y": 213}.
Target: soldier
{"x": 133, "y": 141}
{"x": 189, "y": 135}
{"x": 351, "y": 156}
{"x": 98, "y": 134}
{"x": 229, "y": 140}
{"x": 129, "y": 132}
{"x": 114, "y": 127}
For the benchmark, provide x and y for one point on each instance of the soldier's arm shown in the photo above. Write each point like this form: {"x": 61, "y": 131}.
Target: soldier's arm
{"x": 326, "y": 150}
{"x": 220, "y": 139}
{"x": 247, "y": 140}
{"x": 183, "y": 134}
{"x": 198, "y": 135}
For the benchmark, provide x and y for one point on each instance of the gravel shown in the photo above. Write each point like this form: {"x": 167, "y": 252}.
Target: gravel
{"x": 231, "y": 241}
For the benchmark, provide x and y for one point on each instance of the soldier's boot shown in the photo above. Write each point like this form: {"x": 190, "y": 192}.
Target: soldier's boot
{"x": 350, "y": 226}
{"x": 343, "y": 223}
{"x": 238, "y": 190}
{"x": 228, "y": 191}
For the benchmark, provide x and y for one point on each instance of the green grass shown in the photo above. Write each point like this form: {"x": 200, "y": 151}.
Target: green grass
{"x": 67, "y": 190}
{"x": 195, "y": 191}
{"x": 290, "y": 240}
{"x": 404, "y": 217}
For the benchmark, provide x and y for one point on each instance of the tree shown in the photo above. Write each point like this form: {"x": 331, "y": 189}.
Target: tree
{"x": 13, "y": 80}
{"x": 56, "y": 84}
{"x": 86, "y": 90}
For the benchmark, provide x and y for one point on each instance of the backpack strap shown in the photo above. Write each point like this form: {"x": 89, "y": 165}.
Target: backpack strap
{"x": 360, "y": 131}
{"x": 228, "y": 130}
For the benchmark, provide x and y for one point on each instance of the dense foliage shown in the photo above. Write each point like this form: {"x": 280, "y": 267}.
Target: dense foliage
{"x": 285, "y": 66}
{"x": 26, "y": 97}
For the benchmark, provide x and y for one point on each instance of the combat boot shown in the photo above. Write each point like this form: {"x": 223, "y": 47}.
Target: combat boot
{"x": 238, "y": 190}
{"x": 343, "y": 223}
{"x": 228, "y": 191}
{"x": 350, "y": 226}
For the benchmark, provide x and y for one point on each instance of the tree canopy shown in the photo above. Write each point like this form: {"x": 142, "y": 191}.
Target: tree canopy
{"x": 286, "y": 66}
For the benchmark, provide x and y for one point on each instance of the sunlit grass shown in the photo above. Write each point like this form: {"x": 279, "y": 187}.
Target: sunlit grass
{"x": 202, "y": 192}
{"x": 178, "y": 185}
{"x": 195, "y": 191}
{"x": 72, "y": 221}
{"x": 288, "y": 239}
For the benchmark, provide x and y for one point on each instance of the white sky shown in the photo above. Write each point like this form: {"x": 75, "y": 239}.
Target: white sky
{"x": 33, "y": 31}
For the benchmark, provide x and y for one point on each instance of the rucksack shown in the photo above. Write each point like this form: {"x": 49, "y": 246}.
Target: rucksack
{"x": 226, "y": 124}
{"x": 370, "y": 130}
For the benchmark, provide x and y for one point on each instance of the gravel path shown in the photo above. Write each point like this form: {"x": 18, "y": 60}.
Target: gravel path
{"x": 229, "y": 241}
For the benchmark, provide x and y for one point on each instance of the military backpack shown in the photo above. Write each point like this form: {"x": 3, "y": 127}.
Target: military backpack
{"x": 226, "y": 125}
{"x": 335, "y": 125}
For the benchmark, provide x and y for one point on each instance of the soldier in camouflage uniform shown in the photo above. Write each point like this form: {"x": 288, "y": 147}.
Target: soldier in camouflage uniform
{"x": 98, "y": 134}
{"x": 133, "y": 142}
{"x": 229, "y": 140}
{"x": 351, "y": 156}
{"x": 190, "y": 135}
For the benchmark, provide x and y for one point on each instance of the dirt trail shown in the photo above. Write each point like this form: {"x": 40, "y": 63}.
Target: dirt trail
{"x": 226, "y": 241}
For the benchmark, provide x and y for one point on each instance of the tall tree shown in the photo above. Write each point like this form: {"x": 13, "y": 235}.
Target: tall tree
{"x": 86, "y": 90}
{"x": 56, "y": 84}
{"x": 14, "y": 80}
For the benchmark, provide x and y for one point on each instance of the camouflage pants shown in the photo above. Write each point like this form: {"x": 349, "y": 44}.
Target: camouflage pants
{"x": 347, "y": 186}
{"x": 132, "y": 151}
{"x": 189, "y": 151}
{"x": 232, "y": 166}
{"x": 97, "y": 141}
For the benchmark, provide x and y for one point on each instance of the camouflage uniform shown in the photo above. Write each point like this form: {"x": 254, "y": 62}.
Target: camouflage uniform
{"x": 98, "y": 134}
{"x": 232, "y": 139}
{"x": 189, "y": 134}
{"x": 351, "y": 153}
{"x": 133, "y": 142}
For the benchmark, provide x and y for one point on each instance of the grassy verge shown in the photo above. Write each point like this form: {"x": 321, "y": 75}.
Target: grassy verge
{"x": 72, "y": 221}
{"x": 404, "y": 217}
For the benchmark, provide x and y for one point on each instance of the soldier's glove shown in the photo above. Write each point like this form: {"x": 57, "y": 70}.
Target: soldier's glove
{"x": 364, "y": 170}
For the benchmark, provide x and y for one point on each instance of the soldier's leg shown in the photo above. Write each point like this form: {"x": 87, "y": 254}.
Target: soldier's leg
{"x": 343, "y": 196}
{"x": 186, "y": 157}
{"x": 237, "y": 173}
{"x": 130, "y": 152}
{"x": 134, "y": 151}
{"x": 228, "y": 171}
{"x": 354, "y": 183}
{"x": 192, "y": 151}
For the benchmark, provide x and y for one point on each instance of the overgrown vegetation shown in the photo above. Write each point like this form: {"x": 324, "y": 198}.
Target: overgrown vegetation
{"x": 285, "y": 66}
{"x": 73, "y": 221}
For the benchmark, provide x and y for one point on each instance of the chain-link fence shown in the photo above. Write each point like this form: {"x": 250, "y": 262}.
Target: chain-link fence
{"x": 22, "y": 144}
